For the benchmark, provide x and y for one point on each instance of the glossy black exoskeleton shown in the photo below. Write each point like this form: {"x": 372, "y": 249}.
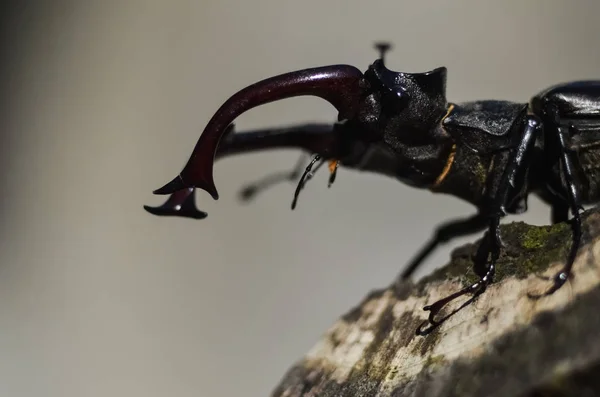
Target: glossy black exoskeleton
{"x": 491, "y": 153}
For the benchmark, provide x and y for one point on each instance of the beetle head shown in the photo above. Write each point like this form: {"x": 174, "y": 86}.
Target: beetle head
{"x": 409, "y": 99}
{"x": 389, "y": 101}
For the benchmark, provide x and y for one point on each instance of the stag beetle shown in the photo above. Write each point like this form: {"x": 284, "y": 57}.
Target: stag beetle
{"x": 490, "y": 153}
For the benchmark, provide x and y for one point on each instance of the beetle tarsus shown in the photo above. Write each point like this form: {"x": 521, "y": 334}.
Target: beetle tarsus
{"x": 475, "y": 289}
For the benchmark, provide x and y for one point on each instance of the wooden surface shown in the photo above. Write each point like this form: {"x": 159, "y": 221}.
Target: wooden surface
{"x": 502, "y": 344}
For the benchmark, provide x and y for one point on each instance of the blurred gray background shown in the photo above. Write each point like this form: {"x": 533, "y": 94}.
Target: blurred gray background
{"x": 103, "y": 102}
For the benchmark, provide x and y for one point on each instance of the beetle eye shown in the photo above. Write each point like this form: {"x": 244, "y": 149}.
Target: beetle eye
{"x": 395, "y": 98}
{"x": 399, "y": 93}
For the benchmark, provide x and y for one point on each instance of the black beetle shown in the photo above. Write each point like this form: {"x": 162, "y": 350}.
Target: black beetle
{"x": 491, "y": 153}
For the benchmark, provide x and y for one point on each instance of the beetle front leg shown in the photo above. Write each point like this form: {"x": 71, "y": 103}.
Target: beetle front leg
{"x": 489, "y": 250}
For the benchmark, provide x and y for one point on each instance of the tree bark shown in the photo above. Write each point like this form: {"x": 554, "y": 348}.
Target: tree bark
{"x": 502, "y": 344}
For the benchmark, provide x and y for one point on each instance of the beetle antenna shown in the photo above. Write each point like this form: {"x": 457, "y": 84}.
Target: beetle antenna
{"x": 306, "y": 176}
{"x": 383, "y": 47}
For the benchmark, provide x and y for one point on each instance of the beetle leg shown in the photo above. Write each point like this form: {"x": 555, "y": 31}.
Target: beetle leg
{"x": 489, "y": 250}
{"x": 574, "y": 203}
{"x": 249, "y": 191}
{"x": 560, "y": 211}
{"x": 453, "y": 229}
{"x": 476, "y": 289}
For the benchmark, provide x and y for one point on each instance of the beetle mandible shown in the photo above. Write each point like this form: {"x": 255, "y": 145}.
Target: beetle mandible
{"x": 490, "y": 153}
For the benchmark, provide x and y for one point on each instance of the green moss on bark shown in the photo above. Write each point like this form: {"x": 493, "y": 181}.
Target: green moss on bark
{"x": 528, "y": 250}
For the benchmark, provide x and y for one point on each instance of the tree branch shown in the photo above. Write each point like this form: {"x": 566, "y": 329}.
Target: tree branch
{"x": 503, "y": 344}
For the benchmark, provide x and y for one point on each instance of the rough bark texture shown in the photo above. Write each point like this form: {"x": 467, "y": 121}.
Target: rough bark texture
{"x": 502, "y": 344}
